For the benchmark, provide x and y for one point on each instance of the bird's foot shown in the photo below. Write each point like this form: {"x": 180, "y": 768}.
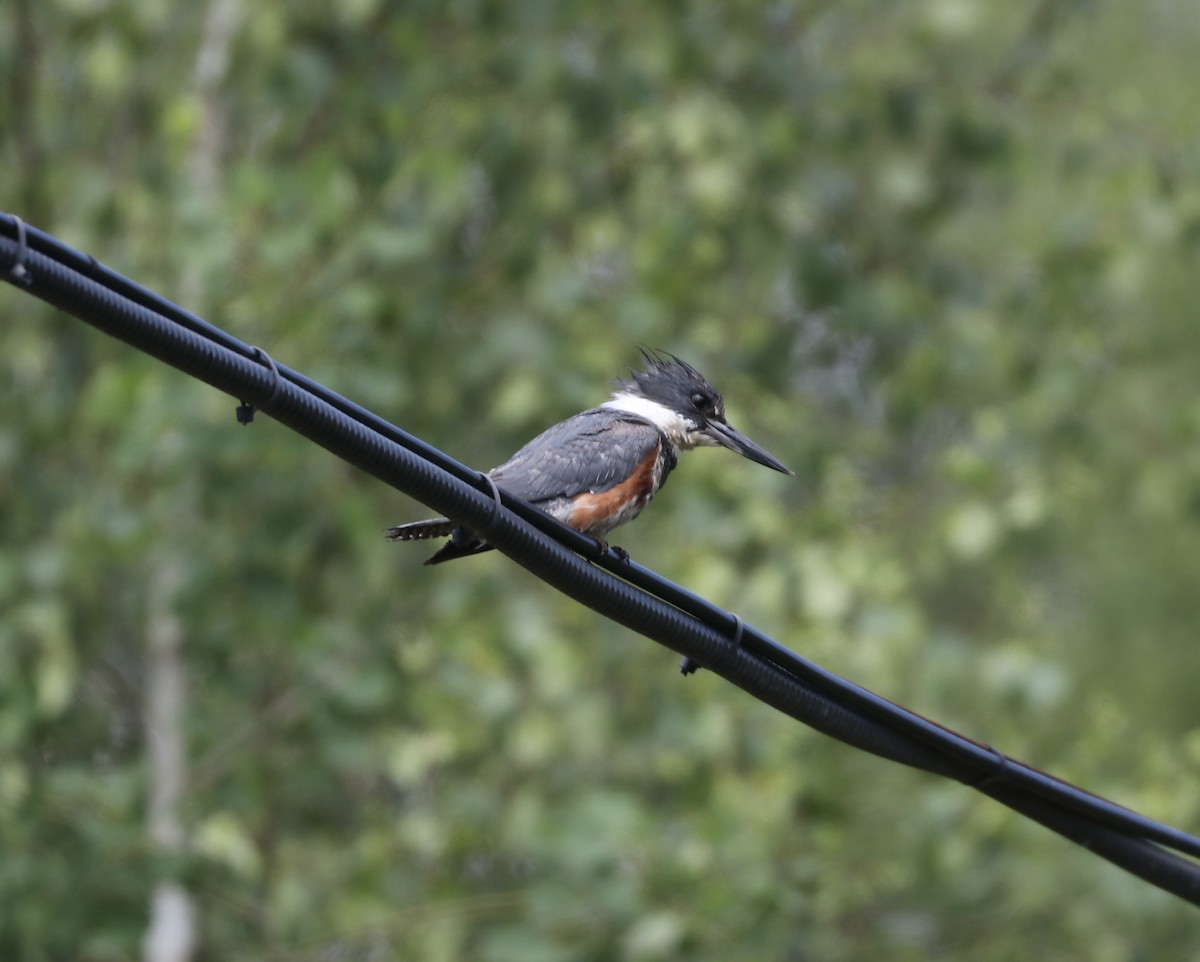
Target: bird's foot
{"x": 603, "y": 547}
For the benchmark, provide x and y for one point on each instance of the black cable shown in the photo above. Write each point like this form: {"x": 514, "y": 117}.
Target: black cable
{"x": 637, "y": 597}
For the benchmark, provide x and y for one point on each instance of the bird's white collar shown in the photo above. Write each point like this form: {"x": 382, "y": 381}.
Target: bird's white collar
{"x": 674, "y": 425}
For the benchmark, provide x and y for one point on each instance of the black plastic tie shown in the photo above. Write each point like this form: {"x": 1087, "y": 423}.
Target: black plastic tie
{"x": 19, "y": 273}
{"x": 497, "y": 505}
{"x": 994, "y": 775}
{"x": 245, "y": 410}
{"x": 688, "y": 666}
{"x": 739, "y": 628}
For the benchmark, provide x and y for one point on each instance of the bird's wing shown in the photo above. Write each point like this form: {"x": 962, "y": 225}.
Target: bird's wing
{"x": 592, "y": 451}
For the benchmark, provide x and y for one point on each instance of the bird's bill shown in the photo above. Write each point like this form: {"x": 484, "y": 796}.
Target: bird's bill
{"x": 728, "y": 437}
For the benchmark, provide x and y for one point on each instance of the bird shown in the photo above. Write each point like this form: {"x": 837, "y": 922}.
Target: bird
{"x": 600, "y": 468}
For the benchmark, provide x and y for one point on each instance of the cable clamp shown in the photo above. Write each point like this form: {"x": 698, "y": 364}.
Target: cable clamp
{"x": 496, "y": 503}
{"x": 245, "y": 410}
{"x": 688, "y": 666}
{"x": 995, "y": 774}
{"x": 739, "y": 628}
{"x": 19, "y": 273}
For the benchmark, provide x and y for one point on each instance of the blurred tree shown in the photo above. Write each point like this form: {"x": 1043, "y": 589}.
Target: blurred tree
{"x": 939, "y": 255}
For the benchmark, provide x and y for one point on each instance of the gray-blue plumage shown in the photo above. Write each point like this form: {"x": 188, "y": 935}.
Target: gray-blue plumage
{"x": 590, "y": 452}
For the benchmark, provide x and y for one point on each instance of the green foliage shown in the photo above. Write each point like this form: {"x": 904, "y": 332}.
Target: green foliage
{"x": 940, "y": 257}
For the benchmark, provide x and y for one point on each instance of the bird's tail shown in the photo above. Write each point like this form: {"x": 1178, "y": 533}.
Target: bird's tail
{"x": 421, "y": 530}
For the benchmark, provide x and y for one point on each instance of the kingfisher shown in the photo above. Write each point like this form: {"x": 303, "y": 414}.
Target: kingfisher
{"x": 600, "y": 468}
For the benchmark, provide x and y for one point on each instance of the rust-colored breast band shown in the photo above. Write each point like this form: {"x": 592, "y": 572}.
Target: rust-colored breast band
{"x": 596, "y": 511}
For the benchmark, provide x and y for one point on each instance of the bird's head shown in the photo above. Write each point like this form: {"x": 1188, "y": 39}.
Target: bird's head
{"x": 685, "y": 406}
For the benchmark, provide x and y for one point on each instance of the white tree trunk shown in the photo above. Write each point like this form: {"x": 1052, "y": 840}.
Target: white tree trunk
{"x": 172, "y": 934}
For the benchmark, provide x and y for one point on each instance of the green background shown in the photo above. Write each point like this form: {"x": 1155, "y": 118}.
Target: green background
{"x": 941, "y": 257}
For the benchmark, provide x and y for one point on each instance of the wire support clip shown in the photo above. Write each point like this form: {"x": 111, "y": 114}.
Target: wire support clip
{"x": 497, "y": 504}
{"x": 19, "y": 273}
{"x": 245, "y": 410}
{"x": 688, "y": 666}
{"x": 995, "y": 774}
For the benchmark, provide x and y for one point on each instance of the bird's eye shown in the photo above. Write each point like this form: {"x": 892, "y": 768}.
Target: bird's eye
{"x": 701, "y": 402}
